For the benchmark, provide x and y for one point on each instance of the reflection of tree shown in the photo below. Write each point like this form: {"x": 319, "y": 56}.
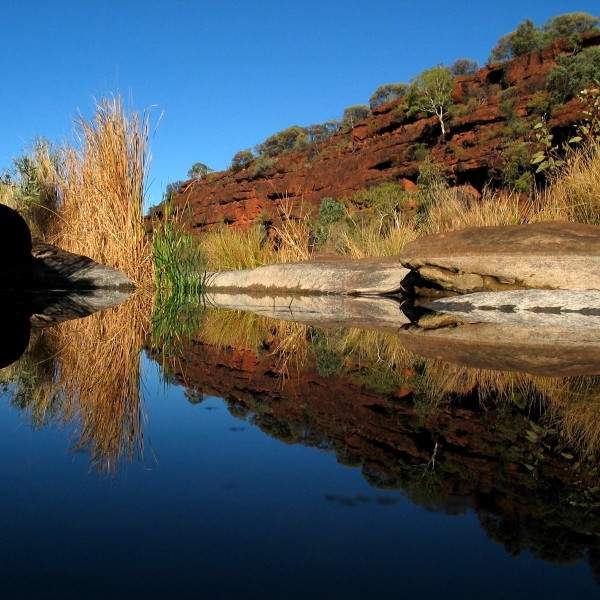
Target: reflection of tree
{"x": 550, "y": 543}
{"x": 32, "y": 380}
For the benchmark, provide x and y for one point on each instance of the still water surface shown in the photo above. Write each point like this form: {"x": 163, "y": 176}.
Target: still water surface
{"x": 216, "y": 508}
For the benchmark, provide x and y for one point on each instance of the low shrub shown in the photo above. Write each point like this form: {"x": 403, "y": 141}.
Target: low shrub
{"x": 261, "y": 165}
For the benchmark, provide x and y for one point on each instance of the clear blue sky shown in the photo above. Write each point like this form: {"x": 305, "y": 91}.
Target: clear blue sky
{"x": 227, "y": 74}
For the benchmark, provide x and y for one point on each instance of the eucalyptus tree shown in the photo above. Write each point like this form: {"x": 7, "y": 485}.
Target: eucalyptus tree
{"x": 431, "y": 92}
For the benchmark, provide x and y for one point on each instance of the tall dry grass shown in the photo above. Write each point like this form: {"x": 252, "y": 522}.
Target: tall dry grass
{"x": 371, "y": 238}
{"x": 294, "y": 234}
{"x": 452, "y": 210}
{"x": 102, "y": 190}
{"x": 574, "y": 190}
{"x": 230, "y": 249}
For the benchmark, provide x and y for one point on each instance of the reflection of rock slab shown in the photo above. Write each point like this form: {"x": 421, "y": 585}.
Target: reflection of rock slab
{"x": 381, "y": 314}
{"x": 542, "y": 332}
{"x": 543, "y": 308}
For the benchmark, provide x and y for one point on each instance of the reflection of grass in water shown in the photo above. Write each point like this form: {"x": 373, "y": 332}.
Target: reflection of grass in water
{"x": 574, "y": 405}
{"x": 174, "y": 318}
{"x": 32, "y": 379}
{"x": 86, "y": 372}
{"x": 383, "y": 362}
{"x": 291, "y": 346}
{"x": 439, "y": 379}
{"x": 571, "y": 404}
{"x": 235, "y": 329}
{"x": 99, "y": 363}
{"x": 374, "y": 347}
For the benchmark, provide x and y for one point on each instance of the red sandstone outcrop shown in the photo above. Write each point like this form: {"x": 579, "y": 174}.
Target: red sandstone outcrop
{"x": 387, "y": 147}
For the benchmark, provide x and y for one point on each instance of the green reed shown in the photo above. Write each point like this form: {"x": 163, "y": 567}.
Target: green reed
{"x": 178, "y": 262}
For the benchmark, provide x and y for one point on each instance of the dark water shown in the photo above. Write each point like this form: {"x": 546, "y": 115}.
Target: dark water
{"x": 247, "y": 498}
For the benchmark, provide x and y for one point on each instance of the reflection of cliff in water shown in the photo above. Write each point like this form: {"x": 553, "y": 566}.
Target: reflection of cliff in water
{"x": 448, "y": 437}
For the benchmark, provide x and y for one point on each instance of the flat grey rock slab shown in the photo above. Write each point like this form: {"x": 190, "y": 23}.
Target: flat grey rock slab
{"x": 553, "y": 333}
{"x": 546, "y": 255}
{"x": 567, "y": 309}
{"x": 57, "y": 269}
{"x": 336, "y": 276}
{"x": 381, "y": 314}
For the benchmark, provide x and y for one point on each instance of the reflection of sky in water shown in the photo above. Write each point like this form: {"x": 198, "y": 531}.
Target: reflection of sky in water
{"x": 222, "y": 510}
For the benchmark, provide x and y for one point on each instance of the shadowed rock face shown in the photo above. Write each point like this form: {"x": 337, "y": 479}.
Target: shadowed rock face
{"x": 54, "y": 268}
{"x": 15, "y": 245}
{"x": 548, "y": 255}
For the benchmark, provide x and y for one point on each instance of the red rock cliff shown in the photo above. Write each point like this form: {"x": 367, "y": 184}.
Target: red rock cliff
{"x": 388, "y": 146}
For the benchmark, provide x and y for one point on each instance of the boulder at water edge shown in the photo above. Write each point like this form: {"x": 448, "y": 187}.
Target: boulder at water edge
{"x": 546, "y": 255}
{"x": 15, "y": 246}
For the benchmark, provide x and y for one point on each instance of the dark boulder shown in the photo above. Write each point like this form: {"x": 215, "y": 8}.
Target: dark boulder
{"x": 15, "y": 247}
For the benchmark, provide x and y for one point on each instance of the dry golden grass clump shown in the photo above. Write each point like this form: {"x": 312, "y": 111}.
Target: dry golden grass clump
{"x": 233, "y": 249}
{"x": 451, "y": 211}
{"x": 85, "y": 374}
{"x": 293, "y": 235}
{"x": 574, "y": 192}
{"x": 230, "y": 249}
{"x": 102, "y": 191}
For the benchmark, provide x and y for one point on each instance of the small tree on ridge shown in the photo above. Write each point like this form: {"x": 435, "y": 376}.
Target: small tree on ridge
{"x": 431, "y": 92}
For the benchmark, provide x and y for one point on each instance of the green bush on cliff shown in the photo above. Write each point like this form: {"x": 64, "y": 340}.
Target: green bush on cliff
{"x": 388, "y": 92}
{"x": 261, "y": 165}
{"x": 319, "y": 132}
{"x": 241, "y": 160}
{"x": 569, "y": 24}
{"x": 517, "y": 172}
{"x": 571, "y": 74}
{"x": 464, "y": 66}
{"x": 331, "y": 212}
{"x": 289, "y": 140}
{"x": 528, "y": 37}
{"x": 199, "y": 170}
{"x": 353, "y": 114}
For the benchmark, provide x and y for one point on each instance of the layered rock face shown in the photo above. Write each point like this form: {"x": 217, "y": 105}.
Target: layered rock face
{"x": 390, "y": 147}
